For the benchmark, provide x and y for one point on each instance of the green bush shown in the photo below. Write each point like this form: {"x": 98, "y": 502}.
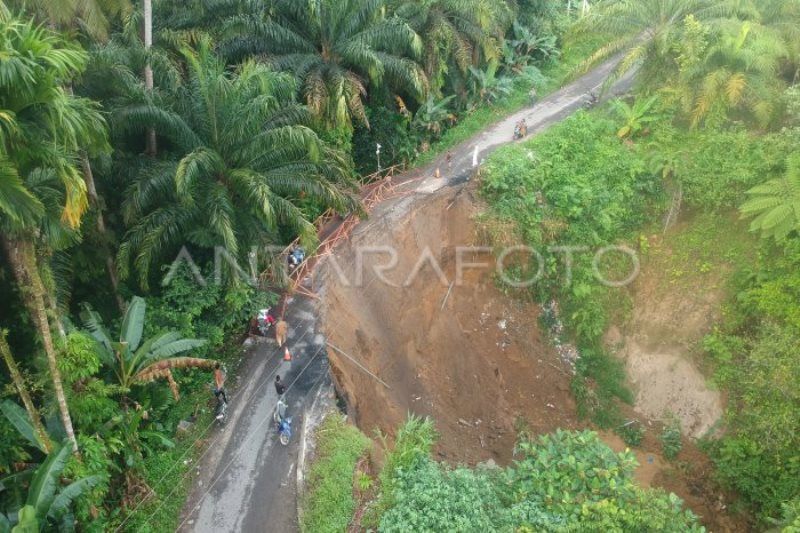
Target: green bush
{"x": 755, "y": 356}
{"x": 671, "y": 441}
{"x": 716, "y": 167}
{"x": 565, "y": 481}
{"x": 432, "y": 497}
{"x": 329, "y": 503}
{"x": 632, "y": 433}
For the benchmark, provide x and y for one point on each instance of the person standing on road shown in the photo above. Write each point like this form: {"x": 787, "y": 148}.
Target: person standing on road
{"x": 280, "y": 388}
{"x": 219, "y": 383}
{"x": 280, "y": 332}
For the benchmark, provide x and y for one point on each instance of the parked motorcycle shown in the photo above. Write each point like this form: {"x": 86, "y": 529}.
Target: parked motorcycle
{"x": 262, "y": 322}
{"x": 220, "y": 414}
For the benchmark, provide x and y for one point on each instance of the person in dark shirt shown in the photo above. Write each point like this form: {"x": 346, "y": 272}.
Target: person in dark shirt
{"x": 280, "y": 388}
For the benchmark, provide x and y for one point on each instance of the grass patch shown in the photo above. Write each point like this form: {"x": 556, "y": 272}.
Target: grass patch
{"x": 329, "y": 503}
{"x": 713, "y": 247}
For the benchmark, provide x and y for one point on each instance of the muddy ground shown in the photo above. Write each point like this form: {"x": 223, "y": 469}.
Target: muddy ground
{"x": 417, "y": 338}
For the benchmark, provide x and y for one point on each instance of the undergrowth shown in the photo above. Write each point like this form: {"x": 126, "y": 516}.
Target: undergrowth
{"x": 328, "y": 504}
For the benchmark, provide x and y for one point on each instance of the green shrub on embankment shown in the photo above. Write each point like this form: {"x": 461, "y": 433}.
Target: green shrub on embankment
{"x": 576, "y": 185}
{"x": 329, "y": 503}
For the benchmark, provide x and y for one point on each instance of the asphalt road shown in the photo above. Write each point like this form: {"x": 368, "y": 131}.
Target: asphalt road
{"x": 247, "y": 480}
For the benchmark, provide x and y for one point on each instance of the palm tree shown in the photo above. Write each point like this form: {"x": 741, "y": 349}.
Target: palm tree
{"x": 91, "y": 16}
{"x": 645, "y": 29}
{"x": 776, "y": 203}
{"x": 42, "y": 130}
{"x": 136, "y": 361}
{"x": 148, "y": 69}
{"x": 739, "y": 71}
{"x": 336, "y": 48}
{"x": 47, "y": 501}
{"x": 781, "y": 17}
{"x": 246, "y": 158}
{"x": 455, "y": 33}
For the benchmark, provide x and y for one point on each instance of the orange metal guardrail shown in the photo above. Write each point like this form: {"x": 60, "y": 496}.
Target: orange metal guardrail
{"x": 374, "y": 187}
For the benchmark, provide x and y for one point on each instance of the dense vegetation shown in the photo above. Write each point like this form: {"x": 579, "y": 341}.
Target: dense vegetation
{"x": 565, "y": 481}
{"x": 711, "y": 128}
{"x": 131, "y": 132}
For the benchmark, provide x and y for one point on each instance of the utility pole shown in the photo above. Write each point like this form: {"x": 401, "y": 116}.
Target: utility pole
{"x": 378, "y": 154}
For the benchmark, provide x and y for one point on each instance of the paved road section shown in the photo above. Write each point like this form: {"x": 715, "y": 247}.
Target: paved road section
{"x": 248, "y": 480}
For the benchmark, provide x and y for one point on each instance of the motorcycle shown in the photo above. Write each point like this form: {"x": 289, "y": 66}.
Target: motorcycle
{"x": 220, "y": 414}
{"x": 295, "y": 258}
{"x": 591, "y": 101}
{"x": 264, "y": 321}
{"x": 285, "y": 430}
{"x": 520, "y": 130}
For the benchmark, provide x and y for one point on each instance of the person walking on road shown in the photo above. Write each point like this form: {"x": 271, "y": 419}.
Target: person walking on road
{"x": 280, "y": 332}
{"x": 219, "y": 383}
{"x": 280, "y": 388}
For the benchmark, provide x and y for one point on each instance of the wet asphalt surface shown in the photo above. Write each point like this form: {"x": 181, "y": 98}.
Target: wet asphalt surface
{"x": 247, "y": 480}
{"x": 252, "y": 487}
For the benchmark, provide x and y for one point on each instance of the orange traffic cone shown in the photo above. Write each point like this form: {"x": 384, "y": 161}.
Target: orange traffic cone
{"x": 286, "y": 355}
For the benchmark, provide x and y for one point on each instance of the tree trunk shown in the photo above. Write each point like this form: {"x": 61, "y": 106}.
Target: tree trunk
{"x": 111, "y": 266}
{"x": 23, "y": 262}
{"x": 151, "y": 147}
{"x": 91, "y": 189}
{"x": 19, "y": 383}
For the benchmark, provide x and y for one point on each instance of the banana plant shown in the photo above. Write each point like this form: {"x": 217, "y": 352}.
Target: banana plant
{"x": 47, "y": 501}
{"x": 135, "y": 361}
{"x": 486, "y": 86}
{"x": 635, "y": 117}
{"x": 431, "y": 116}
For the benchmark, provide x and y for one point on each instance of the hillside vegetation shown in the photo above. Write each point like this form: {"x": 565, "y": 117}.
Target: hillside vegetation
{"x": 132, "y": 132}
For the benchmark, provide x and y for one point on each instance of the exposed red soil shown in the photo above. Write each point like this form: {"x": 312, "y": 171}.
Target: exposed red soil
{"x": 471, "y": 357}
{"x": 478, "y": 365}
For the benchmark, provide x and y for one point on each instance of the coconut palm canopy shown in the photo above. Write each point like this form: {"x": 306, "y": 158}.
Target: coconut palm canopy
{"x": 456, "y": 33}
{"x": 41, "y": 125}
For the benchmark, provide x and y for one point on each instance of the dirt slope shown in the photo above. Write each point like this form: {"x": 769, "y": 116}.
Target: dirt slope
{"x": 474, "y": 360}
